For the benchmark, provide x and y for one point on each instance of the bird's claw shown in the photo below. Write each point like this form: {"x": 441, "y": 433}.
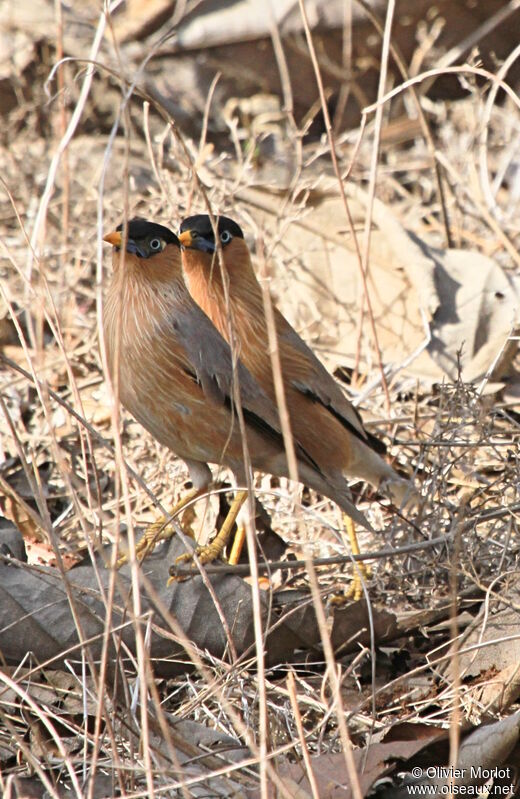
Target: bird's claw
{"x": 161, "y": 530}
{"x": 355, "y": 589}
{"x": 205, "y": 554}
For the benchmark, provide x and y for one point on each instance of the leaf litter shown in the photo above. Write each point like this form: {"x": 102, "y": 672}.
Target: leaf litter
{"x": 72, "y": 637}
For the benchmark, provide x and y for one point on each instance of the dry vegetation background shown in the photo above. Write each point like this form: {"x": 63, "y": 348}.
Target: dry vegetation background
{"x": 112, "y": 683}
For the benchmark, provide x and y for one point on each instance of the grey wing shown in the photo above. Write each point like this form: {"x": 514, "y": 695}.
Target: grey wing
{"x": 319, "y": 384}
{"x": 211, "y": 358}
{"x": 210, "y": 355}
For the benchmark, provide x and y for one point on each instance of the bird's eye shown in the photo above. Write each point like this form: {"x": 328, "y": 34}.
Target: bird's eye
{"x": 155, "y": 245}
{"x": 194, "y": 234}
{"x": 225, "y": 237}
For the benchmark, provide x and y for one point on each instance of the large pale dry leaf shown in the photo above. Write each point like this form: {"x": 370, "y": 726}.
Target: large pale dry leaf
{"x": 21, "y": 787}
{"x": 35, "y": 614}
{"x": 491, "y": 643}
{"x": 486, "y": 748}
{"x": 221, "y": 22}
{"x": 489, "y": 658}
{"x": 24, "y": 24}
{"x": 495, "y": 694}
{"x": 490, "y": 745}
{"x": 199, "y": 750}
{"x": 430, "y": 305}
{"x": 331, "y": 774}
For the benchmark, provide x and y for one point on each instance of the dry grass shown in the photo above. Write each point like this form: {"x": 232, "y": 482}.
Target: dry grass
{"x": 69, "y": 489}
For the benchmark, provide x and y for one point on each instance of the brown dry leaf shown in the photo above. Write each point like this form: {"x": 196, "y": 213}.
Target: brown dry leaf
{"x": 408, "y": 731}
{"x": 50, "y": 687}
{"x": 39, "y": 552}
{"x": 35, "y": 615}
{"x": 18, "y": 512}
{"x": 44, "y": 746}
{"x": 351, "y": 627}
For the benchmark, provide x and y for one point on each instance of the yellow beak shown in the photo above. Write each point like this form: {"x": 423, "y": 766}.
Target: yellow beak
{"x": 113, "y": 238}
{"x": 186, "y": 239}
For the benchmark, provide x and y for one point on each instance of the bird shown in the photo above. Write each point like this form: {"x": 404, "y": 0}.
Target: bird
{"x": 176, "y": 374}
{"x": 321, "y": 417}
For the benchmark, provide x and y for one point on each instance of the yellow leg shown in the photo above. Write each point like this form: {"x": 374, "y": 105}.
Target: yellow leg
{"x": 238, "y": 545}
{"x": 160, "y": 530}
{"x": 361, "y": 572}
{"x": 214, "y": 550}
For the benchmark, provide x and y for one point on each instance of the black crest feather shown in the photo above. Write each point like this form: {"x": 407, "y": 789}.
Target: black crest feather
{"x": 139, "y": 228}
{"x": 202, "y": 224}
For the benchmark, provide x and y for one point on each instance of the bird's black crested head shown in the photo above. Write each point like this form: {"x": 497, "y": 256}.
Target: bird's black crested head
{"x": 196, "y": 232}
{"x": 139, "y": 229}
{"x": 145, "y": 238}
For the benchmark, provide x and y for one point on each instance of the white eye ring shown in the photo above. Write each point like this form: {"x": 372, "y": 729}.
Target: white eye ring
{"x": 155, "y": 244}
{"x": 225, "y": 237}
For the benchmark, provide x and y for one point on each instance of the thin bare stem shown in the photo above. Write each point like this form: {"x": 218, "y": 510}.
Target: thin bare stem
{"x": 333, "y": 156}
{"x": 373, "y": 167}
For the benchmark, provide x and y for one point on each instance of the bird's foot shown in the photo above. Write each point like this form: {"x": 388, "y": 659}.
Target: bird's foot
{"x": 214, "y": 550}
{"x": 206, "y": 554}
{"x": 163, "y": 529}
{"x": 361, "y": 572}
{"x": 355, "y": 589}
